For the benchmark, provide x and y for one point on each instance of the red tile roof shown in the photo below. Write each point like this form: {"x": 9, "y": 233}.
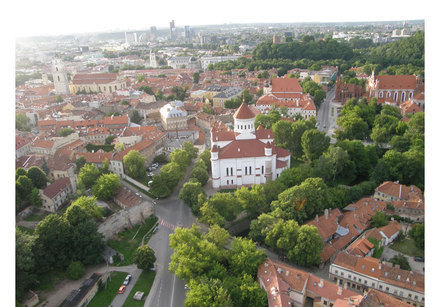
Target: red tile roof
{"x": 378, "y": 298}
{"x": 56, "y": 187}
{"x": 391, "y": 229}
{"x": 94, "y": 78}
{"x": 396, "y": 82}
{"x": 400, "y": 191}
{"x": 286, "y": 85}
{"x": 242, "y": 149}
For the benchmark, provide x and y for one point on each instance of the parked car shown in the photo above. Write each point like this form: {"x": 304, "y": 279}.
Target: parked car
{"x": 122, "y": 289}
{"x": 127, "y": 280}
{"x": 419, "y": 259}
{"x": 155, "y": 229}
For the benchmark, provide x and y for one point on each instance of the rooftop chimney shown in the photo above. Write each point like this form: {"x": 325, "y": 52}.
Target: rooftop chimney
{"x": 326, "y": 214}
{"x": 317, "y": 218}
{"x": 400, "y": 192}
{"x": 321, "y": 283}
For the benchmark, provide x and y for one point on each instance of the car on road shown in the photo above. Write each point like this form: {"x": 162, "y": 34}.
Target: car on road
{"x": 324, "y": 126}
{"x": 127, "y": 280}
{"x": 155, "y": 229}
{"x": 122, "y": 289}
{"x": 419, "y": 259}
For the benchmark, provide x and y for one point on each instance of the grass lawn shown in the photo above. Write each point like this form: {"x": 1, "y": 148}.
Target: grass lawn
{"x": 107, "y": 294}
{"x": 408, "y": 247}
{"x": 143, "y": 284}
{"x": 129, "y": 240}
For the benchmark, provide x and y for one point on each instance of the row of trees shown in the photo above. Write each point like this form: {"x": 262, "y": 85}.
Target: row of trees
{"x": 171, "y": 173}
{"x": 57, "y": 242}
{"x": 217, "y": 275}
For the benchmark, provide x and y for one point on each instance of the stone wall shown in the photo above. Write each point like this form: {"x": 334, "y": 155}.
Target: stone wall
{"x": 126, "y": 218}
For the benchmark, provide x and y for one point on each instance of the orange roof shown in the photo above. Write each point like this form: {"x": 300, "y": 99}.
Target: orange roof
{"x": 325, "y": 289}
{"x": 400, "y": 191}
{"x": 56, "y": 187}
{"x": 286, "y": 85}
{"x": 43, "y": 143}
{"x": 391, "y": 228}
{"x": 94, "y": 78}
{"x": 378, "y": 298}
{"x": 396, "y": 82}
{"x": 244, "y": 112}
{"x": 362, "y": 245}
{"x": 242, "y": 149}
{"x": 326, "y": 227}
{"x": 116, "y": 120}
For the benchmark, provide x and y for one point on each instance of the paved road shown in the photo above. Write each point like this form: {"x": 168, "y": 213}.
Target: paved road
{"x": 119, "y": 299}
{"x": 327, "y": 114}
{"x": 167, "y": 289}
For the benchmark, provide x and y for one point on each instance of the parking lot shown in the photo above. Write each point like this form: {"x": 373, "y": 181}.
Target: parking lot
{"x": 416, "y": 266}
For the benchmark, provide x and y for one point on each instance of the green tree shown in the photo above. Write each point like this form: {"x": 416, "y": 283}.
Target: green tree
{"x": 283, "y": 237}
{"x": 245, "y": 291}
{"x": 207, "y": 293}
{"x": 88, "y": 175}
{"x": 20, "y": 172}
{"x": 80, "y": 162}
{"x": 298, "y": 129}
{"x": 37, "y": 176}
{"x": 417, "y": 232}
{"x": 52, "y": 243}
{"x": 314, "y": 143}
{"x": 87, "y": 243}
{"x": 24, "y": 187}
{"x": 22, "y": 122}
{"x": 65, "y": 131}
{"x": 338, "y": 158}
{"x": 196, "y": 77}
{"x": 308, "y": 247}
{"x": 24, "y": 262}
{"x": 379, "y": 219}
{"x": 75, "y": 270}
{"x": 189, "y": 194}
{"x": 205, "y": 156}
{"x": 134, "y": 164}
{"x": 282, "y": 131}
{"x": 261, "y": 226}
{"x": 225, "y": 204}
{"x": 144, "y": 257}
{"x": 172, "y": 173}
{"x": 245, "y": 257}
{"x": 200, "y": 174}
{"x": 106, "y": 186}
{"x": 190, "y": 149}
{"x": 59, "y": 99}
{"x": 181, "y": 158}
{"x": 402, "y": 261}
{"x": 89, "y": 205}
{"x": 136, "y": 117}
{"x": 34, "y": 198}
{"x": 252, "y": 200}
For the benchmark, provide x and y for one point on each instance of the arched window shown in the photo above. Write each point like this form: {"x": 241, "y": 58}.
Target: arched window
{"x": 380, "y": 94}
{"x": 395, "y": 96}
{"x": 388, "y": 94}
{"x": 403, "y": 96}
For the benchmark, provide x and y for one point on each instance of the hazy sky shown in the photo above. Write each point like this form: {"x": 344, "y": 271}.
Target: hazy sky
{"x": 50, "y": 17}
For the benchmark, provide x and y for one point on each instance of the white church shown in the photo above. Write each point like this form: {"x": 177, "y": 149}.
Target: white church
{"x": 245, "y": 156}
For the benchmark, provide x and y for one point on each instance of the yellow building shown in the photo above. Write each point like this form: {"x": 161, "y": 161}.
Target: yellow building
{"x": 98, "y": 83}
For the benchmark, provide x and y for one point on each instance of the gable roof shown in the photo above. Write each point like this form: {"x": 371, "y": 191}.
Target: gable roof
{"x": 56, "y": 187}
{"x": 396, "y": 82}
{"x": 286, "y": 85}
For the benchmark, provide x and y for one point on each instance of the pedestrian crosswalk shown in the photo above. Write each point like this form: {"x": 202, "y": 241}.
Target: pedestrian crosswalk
{"x": 166, "y": 224}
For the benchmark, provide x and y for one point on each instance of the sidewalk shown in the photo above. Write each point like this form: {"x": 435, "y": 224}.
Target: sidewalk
{"x": 62, "y": 289}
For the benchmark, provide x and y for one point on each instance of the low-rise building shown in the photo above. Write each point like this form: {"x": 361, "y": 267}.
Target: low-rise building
{"x": 173, "y": 116}
{"x": 99, "y": 83}
{"x": 57, "y": 194}
{"x": 364, "y": 273}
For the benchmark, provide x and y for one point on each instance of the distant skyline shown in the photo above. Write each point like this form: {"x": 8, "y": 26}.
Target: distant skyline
{"x": 50, "y": 17}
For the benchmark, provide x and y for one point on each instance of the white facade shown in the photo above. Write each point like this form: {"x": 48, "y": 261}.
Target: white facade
{"x": 173, "y": 116}
{"x": 248, "y": 156}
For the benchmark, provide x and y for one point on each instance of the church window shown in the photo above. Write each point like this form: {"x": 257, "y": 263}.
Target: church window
{"x": 395, "y": 96}
{"x": 232, "y": 181}
{"x": 381, "y": 94}
{"x": 411, "y": 95}
{"x": 250, "y": 170}
{"x": 245, "y": 170}
{"x": 56, "y": 68}
{"x": 388, "y": 94}
{"x": 227, "y": 171}
{"x": 232, "y": 172}
{"x": 262, "y": 169}
{"x": 227, "y": 181}
{"x": 403, "y": 96}
{"x": 58, "y": 78}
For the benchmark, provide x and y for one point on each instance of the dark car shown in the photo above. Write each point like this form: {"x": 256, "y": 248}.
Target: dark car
{"x": 127, "y": 280}
{"x": 419, "y": 259}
